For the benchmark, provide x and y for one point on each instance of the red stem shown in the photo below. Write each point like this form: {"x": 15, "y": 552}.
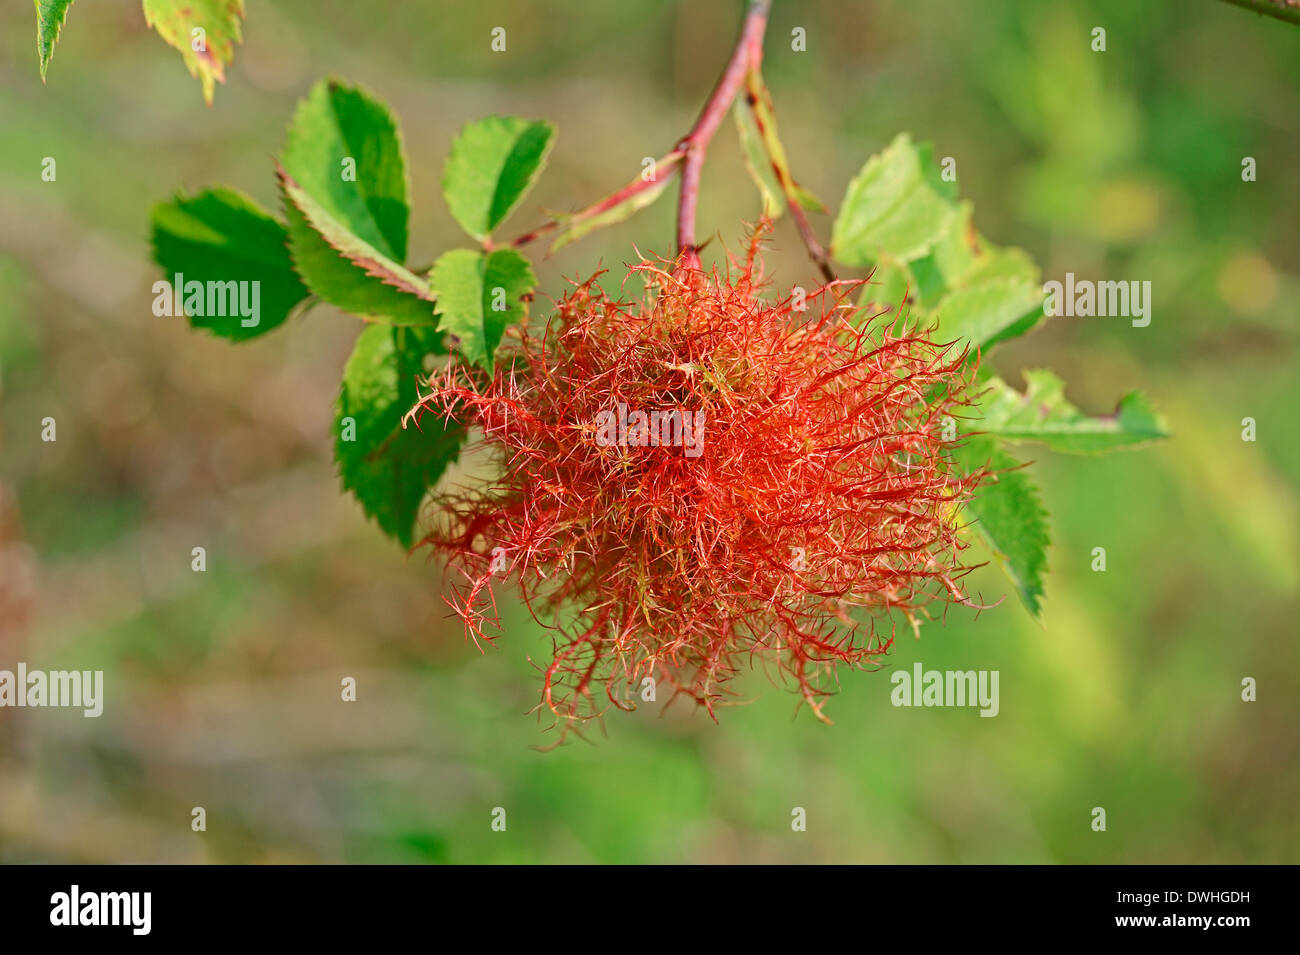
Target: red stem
{"x": 748, "y": 53}
{"x": 638, "y": 185}
{"x": 689, "y": 152}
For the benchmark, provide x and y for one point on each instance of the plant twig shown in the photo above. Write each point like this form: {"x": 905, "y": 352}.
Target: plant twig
{"x": 688, "y": 154}
{"x": 747, "y": 55}
{"x": 669, "y": 162}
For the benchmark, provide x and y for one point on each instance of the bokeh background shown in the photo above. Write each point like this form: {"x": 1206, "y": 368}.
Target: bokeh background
{"x": 223, "y": 687}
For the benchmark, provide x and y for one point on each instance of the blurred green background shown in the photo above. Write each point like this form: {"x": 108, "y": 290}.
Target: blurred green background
{"x": 223, "y": 688}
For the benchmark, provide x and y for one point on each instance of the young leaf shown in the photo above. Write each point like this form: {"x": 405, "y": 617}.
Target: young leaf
{"x": 493, "y": 162}
{"x": 1008, "y": 516}
{"x": 386, "y": 467}
{"x": 479, "y": 295}
{"x": 205, "y": 31}
{"x": 763, "y": 147}
{"x": 347, "y": 271}
{"x": 220, "y": 235}
{"x": 1043, "y": 414}
{"x": 50, "y": 15}
{"x": 897, "y": 206}
{"x": 344, "y": 149}
{"x": 756, "y": 161}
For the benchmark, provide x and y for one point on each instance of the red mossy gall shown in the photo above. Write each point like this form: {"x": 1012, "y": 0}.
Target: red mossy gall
{"x": 707, "y": 477}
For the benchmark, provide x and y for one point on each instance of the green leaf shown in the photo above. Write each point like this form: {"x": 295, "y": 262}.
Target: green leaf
{"x": 389, "y": 468}
{"x": 344, "y": 149}
{"x": 176, "y": 21}
{"x": 220, "y": 235}
{"x": 50, "y": 15}
{"x": 479, "y": 295}
{"x": 1007, "y": 515}
{"x": 975, "y": 292}
{"x": 493, "y": 162}
{"x": 343, "y": 174}
{"x": 897, "y": 206}
{"x": 347, "y": 271}
{"x": 1043, "y": 414}
{"x": 757, "y": 162}
{"x": 982, "y": 314}
{"x": 950, "y": 261}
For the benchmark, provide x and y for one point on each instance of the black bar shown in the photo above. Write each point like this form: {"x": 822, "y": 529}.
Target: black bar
{"x": 334, "y": 904}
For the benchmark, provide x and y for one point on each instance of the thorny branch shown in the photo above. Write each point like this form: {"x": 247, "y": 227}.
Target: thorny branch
{"x": 741, "y": 71}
